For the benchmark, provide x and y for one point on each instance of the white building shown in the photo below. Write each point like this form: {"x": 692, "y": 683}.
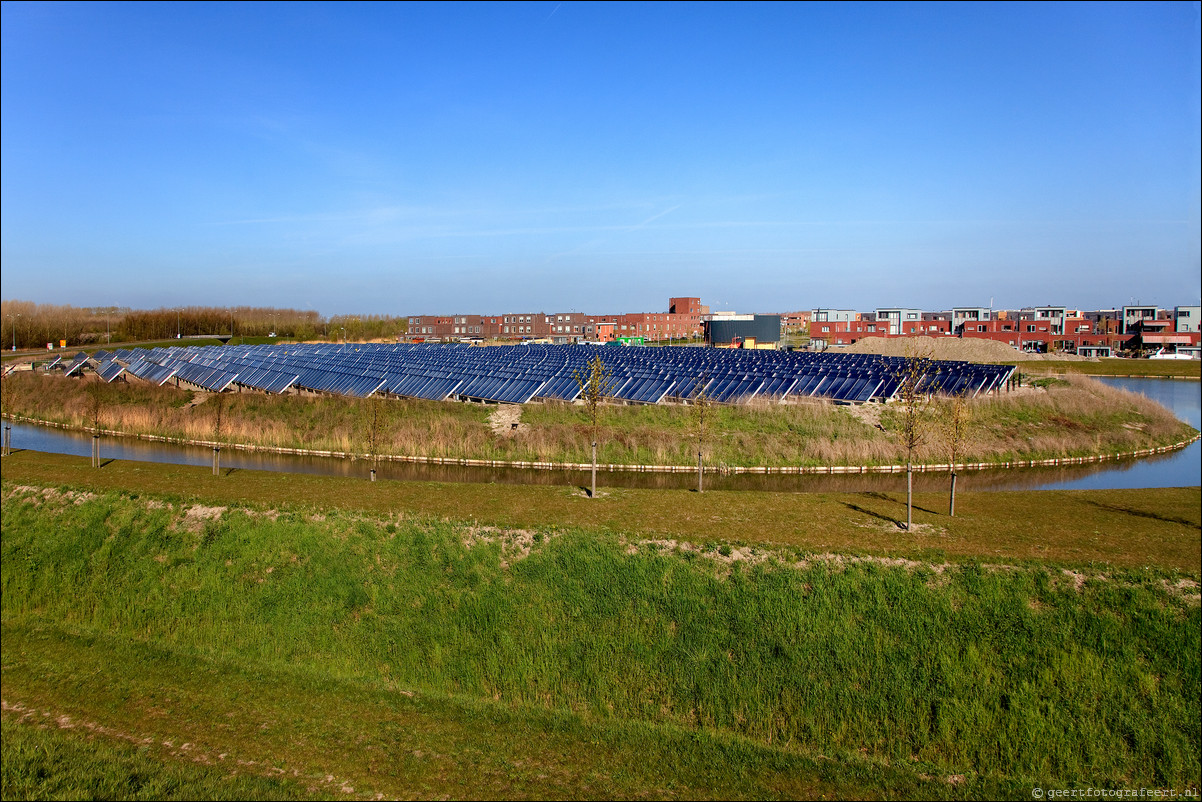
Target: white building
{"x": 1186, "y": 318}
{"x": 896, "y": 317}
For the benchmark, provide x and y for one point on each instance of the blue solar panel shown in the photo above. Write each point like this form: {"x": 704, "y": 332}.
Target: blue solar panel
{"x": 519, "y": 373}
{"x": 76, "y": 364}
{"x": 109, "y": 370}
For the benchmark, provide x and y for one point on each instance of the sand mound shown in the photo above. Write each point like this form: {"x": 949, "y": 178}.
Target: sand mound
{"x": 967, "y": 349}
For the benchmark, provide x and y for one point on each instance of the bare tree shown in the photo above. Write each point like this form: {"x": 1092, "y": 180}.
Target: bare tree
{"x": 7, "y": 448}
{"x": 596, "y": 384}
{"x": 95, "y": 404}
{"x": 373, "y": 423}
{"x": 701, "y": 408}
{"x": 956, "y": 416}
{"x": 914, "y": 376}
{"x": 218, "y": 408}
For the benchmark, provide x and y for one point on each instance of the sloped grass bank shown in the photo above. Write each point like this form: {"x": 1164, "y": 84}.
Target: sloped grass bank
{"x": 68, "y": 760}
{"x": 1003, "y": 674}
{"x": 1156, "y": 529}
{"x": 182, "y": 727}
{"x": 1153, "y": 368}
{"x": 1078, "y": 417}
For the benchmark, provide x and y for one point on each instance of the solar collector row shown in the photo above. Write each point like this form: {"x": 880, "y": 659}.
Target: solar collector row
{"x": 109, "y": 370}
{"x": 517, "y": 374}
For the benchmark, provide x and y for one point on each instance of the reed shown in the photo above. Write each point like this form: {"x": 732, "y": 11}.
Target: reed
{"x": 1076, "y": 417}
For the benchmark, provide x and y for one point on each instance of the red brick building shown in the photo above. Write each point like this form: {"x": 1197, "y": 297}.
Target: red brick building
{"x": 1066, "y": 333}
{"x": 846, "y": 332}
{"x": 453, "y": 327}
{"x": 684, "y": 323}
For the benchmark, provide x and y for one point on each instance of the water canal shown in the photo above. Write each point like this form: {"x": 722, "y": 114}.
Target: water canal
{"x": 1177, "y": 469}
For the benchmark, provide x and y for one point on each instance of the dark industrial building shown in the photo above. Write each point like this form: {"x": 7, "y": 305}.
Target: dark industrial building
{"x": 743, "y": 331}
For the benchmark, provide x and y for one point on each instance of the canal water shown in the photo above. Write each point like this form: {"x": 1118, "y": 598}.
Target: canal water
{"x": 1177, "y": 469}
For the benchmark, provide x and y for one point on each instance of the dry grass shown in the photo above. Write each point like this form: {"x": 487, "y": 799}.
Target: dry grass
{"x": 1077, "y": 417}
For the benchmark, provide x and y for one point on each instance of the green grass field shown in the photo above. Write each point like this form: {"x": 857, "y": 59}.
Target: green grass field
{"x": 1129, "y": 529}
{"x": 261, "y": 635}
{"x": 170, "y": 634}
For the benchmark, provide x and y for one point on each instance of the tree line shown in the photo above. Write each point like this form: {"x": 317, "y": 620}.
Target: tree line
{"x": 26, "y": 325}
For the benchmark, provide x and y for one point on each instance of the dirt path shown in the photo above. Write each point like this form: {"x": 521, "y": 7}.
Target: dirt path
{"x": 968, "y": 349}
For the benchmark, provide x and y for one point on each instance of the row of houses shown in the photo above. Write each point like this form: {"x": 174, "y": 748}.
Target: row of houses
{"x": 683, "y": 320}
{"x": 1041, "y": 328}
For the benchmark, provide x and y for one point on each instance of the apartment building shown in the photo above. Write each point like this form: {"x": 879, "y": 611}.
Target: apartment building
{"x": 896, "y": 319}
{"x": 1186, "y": 318}
{"x": 566, "y": 327}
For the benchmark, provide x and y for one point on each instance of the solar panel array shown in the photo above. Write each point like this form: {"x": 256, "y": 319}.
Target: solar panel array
{"x": 109, "y": 369}
{"x": 76, "y": 363}
{"x": 518, "y": 374}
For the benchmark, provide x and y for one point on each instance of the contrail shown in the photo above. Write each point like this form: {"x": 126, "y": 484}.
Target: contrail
{"x": 655, "y": 217}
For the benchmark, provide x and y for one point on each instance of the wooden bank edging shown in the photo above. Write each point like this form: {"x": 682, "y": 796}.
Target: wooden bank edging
{"x": 611, "y": 467}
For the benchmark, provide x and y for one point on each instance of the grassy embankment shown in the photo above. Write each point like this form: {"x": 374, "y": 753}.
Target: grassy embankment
{"x": 359, "y": 641}
{"x": 1079, "y": 417}
{"x": 1152, "y": 368}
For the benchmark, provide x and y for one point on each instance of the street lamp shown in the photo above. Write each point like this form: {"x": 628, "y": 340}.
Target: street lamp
{"x": 177, "y": 323}
{"x": 14, "y": 325}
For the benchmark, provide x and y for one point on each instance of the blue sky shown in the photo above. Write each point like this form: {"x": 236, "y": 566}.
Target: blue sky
{"x": 601, "y": 157}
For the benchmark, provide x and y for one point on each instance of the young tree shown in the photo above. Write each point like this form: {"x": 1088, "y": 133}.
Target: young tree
{"x": 218, "y": 403}
{"x": 701, "y": 409}
{"x": 913, "y": 393}
{"x": 7, "y": 447}
{"x": 373, "y": 424}
{"x": 95, "y": 404}
{"x": 596, "y": 384}
{"x": 956, "y": 415}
